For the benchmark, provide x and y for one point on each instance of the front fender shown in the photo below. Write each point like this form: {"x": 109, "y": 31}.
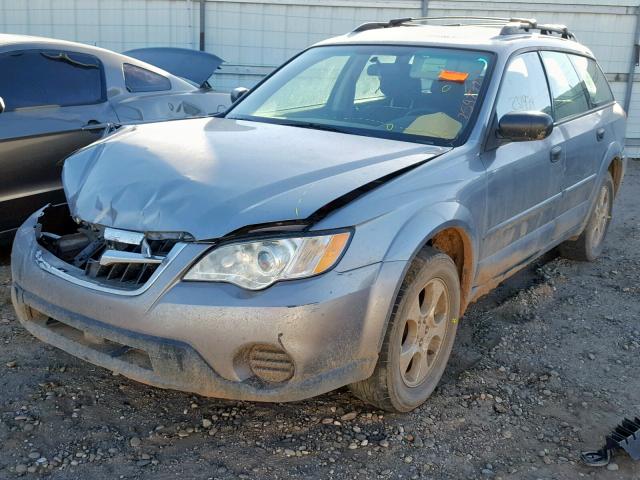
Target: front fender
{"x": 408, "y": 240}
{"x": 427, "y": 222}
{"x": 425, "y": 225}
{"x": 398, "y": 235}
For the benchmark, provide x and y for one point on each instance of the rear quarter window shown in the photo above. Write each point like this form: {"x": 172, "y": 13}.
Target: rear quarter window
{"x": 594, "y": 80}
{"x": 36, "y": 78}
{"x": 138, "y": 79}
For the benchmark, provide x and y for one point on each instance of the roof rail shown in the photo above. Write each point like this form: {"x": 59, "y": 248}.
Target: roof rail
{"x": 510, "y": 26}
{"x": 396, "y": 22}
{"x": 518, "y": 26}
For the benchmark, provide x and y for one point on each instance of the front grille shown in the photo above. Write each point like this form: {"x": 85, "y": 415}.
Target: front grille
{"x": 126, "y": 275}
{"x": 81, "y": 246}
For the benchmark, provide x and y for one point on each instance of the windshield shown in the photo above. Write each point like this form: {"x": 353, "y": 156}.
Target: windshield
{"x": 418, "y": 94}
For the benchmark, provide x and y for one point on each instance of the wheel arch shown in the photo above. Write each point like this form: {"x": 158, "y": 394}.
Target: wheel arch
{"x": 455, "y": 242}
{"x": 616, "y": 169}
{"x": 614, "y": 163}
{"x": 456, "y": 236}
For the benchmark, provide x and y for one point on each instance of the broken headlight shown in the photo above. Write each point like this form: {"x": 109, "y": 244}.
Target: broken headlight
{"x": 257, "y": 264}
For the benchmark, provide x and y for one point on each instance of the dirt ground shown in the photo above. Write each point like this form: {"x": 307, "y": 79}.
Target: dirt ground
{"x": 543, "y": 367}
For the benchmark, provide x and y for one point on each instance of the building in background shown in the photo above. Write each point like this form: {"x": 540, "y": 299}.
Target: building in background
{"x": 254, "y": 36}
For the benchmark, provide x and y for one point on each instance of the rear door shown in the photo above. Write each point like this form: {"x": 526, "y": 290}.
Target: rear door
{"x": 524, "y": 178}
{"x": 585, "y": 132}
{"x": 55, "y": 103}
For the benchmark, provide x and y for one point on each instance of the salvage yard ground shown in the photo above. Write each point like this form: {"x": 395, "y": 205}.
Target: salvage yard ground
{"x": 543, "y": 367}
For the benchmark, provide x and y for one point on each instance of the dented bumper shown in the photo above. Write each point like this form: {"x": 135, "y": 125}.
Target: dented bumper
{"x": 202, "y": 337}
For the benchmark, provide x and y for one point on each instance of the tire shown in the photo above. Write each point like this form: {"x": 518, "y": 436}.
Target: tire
{"x": 590, "y": 243}
{"x": 399, "y": 384}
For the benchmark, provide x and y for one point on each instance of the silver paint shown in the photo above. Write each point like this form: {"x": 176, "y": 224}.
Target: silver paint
{"x": 211, "y": 177}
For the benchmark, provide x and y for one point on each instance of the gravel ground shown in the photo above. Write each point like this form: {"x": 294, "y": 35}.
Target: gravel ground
{"x": 543, "y": 367}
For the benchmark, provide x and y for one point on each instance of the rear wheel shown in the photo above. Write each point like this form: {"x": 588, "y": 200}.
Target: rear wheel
{"x": 590, "y": 243}
{"x": 419, "y": 337}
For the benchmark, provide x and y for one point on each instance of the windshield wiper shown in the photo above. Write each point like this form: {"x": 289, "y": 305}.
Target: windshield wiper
{"x": 312, "y": 125}
{"x": 289, "y": 123}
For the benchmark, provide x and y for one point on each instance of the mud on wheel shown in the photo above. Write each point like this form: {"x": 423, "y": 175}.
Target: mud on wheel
{"x": 419, "y": 336}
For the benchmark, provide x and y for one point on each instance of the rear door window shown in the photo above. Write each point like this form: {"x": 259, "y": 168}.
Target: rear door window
{"x": 138, "y": 79}
{"x": 36, "y": 78}
{"x": 569, "y": 96}
{"x": 524, "y": 87}
{"x": 594, "y": 80}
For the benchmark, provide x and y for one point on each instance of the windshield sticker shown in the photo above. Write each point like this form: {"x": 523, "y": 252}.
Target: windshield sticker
{"x": 451, "y": 76}
{"x": 485, "y": 64}
{"x": 470, "y": 99}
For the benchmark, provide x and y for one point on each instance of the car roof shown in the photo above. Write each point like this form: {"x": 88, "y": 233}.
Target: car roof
{"x": 9, "y": 42}
{"x": 29, "y": 41}
{"x": 479, "y": 37}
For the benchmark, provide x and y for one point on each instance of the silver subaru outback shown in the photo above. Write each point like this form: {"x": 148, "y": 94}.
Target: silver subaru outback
{"x": 334, "y": 224}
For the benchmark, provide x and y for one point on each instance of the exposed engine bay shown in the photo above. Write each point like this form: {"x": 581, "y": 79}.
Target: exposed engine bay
{"x": 119, "y": 258}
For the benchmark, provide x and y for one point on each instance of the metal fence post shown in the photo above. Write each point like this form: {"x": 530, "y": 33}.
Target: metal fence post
{"x": 633, "y": 62}
{"x": 202, "y": 23}
{"x": 425, "y": 8}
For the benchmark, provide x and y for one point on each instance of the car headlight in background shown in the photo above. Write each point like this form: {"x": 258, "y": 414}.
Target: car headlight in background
{"x": 257, "y": 264}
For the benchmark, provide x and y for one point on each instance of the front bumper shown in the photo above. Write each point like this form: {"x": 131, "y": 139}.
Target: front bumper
{"x": 194, "y": 336}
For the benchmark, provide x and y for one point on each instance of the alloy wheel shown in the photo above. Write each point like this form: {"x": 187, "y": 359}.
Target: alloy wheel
{"x": 424, "y": 332}
{"x": 601, "y": 216}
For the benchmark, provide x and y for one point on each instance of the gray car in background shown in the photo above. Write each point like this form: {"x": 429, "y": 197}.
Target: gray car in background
{"x": 57, "y": 96}
{"x": 334, "y": 224}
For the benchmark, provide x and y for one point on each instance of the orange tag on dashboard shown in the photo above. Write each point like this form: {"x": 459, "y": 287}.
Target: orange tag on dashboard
{"x": 451, "y": 76}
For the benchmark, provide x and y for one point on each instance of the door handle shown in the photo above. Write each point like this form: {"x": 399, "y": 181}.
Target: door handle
{"x": 95, "y": 125}
{"x": 600, "y": 134}
{"x": 108, "y": 127}
{"x": 556, "y": 153}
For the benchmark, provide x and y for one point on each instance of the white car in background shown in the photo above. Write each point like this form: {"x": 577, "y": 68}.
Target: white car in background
{"x": 58, "y": 96}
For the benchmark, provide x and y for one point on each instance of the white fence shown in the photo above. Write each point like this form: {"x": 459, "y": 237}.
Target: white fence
{"x": 608, "y": 27}
{"x": 254, "y": 36}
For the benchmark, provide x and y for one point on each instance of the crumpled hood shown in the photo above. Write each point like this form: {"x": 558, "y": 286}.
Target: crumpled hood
{"x": 211, "y": 176}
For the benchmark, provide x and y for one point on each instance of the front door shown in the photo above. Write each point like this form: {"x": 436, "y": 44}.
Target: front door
{"x": 524, "y": 178}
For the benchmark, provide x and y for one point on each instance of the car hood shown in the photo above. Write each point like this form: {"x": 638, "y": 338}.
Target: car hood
{"x": 212, "y": 176}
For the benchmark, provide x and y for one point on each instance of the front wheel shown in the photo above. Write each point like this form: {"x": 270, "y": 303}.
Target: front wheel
{"x": 419, "y": 337}
{"x": 590, "y": 243}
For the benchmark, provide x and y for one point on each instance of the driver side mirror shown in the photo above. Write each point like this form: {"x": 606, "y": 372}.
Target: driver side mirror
{"x": 238, "y": 92}
{"x": 2, "y": 105}
{"x": 525, "y": 126}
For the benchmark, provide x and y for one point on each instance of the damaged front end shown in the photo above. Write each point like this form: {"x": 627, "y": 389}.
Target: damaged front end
{"x": 207, "y": 255}
{"x": 100, "y": 255}
{"x": 226, "y": 175}
{"x": 118, "y": 299}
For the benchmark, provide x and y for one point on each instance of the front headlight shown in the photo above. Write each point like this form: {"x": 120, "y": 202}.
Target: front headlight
{"x": 258, "y": 264}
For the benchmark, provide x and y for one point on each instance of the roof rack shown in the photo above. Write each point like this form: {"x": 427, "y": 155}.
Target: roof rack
{"x": 510, "y": 26}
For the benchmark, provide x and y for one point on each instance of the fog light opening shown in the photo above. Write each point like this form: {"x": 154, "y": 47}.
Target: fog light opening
{"x": 270, "y": 364}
